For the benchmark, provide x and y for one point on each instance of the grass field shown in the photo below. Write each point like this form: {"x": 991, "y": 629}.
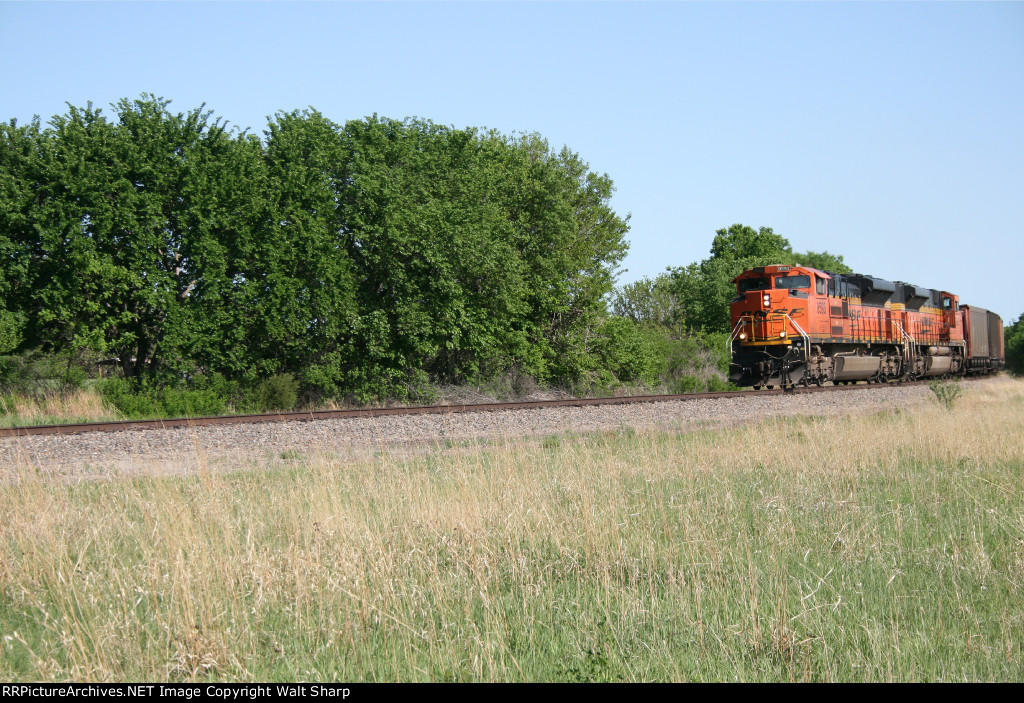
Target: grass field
{"x": 84, "y": 405}
{"x": 881, "y": 547}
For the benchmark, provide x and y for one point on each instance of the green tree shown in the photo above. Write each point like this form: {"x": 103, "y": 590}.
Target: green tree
{"x": 648, "y": 300}
{"x": 704, "y": 290}
{"x": 823, "y": 261}
{"x": 1013, "y": 337}
{"x": 440, "y": 289}
{"x": 573, "y": 244}
{"x": 133, "y": 222}
{"x": 362, "y": 259}
{"x": 19, "y": 157}
{"x": 474, "y": 252}
{"x": 740, "y": 243}
{"x": 301, "y": 282}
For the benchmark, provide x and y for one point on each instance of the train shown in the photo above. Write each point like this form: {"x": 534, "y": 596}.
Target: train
{"x": 796, "y": 325}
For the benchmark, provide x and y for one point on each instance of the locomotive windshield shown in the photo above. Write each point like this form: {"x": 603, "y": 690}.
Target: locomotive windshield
{"x": 754, "y": 284}
{"x": 792, "y": 282}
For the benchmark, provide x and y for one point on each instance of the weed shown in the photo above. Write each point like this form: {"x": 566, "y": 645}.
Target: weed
{"x": 947, "y": 392}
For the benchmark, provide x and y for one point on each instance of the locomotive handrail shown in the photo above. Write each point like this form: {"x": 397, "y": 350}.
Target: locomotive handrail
{"x": 736, "y": 330}
{"x": 807, "y": 339}
{"x": 907, "y": 341}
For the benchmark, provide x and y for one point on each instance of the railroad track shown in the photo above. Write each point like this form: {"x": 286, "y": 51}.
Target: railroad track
{"x": 305, "y": 416}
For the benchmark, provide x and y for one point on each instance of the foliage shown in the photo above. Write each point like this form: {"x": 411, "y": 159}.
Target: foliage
{"x": 647, "y": 301}
{"x": 35, "y": 374}
{"x": 947, "y": 392}
{"x": 11, "y": 324}
{"x": 134, "y": 403}
{"x": 702, "y": 291}
{"x": 279, "y": 392}
{"x": 823, "y": 261}
{"x": 368, "y": 259}
{"x": 626, "y": 354}
{"x": 1013, "y": 336}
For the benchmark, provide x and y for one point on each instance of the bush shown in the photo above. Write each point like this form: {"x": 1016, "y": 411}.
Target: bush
{"x": 279, "y": 392}
{"x": 12, "y": 374}
{"x": 34, "y": 373}
{"x": 136, "y": 403}
{"x": 191, "y": 403}
{"x": 130, "y": 403}
{"x": 946, "y": 392}
{"x": 629, "y": 352}
{"x": 1014, "y": 338}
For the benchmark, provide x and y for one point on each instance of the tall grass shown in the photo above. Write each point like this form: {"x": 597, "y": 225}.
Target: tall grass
{"x": 882, "y": 547}
{"x": 82, "y": 405}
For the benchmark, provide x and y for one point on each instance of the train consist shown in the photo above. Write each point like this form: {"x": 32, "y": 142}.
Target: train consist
{"x": 794, "y": 325}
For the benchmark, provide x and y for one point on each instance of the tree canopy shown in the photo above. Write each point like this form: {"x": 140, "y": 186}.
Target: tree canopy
{"x": 701, "y": 292}
{"x": 364, "y": 258}
{"x": 1014, "y": 341}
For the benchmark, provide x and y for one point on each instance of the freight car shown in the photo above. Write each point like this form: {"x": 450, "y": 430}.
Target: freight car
{"x": 794, "y": 325}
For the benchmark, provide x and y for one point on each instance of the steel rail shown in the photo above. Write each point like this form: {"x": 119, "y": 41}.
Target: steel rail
{"x": 306, "y": 416}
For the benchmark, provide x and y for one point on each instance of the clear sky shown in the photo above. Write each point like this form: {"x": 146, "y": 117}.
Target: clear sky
{"x": 890, "y": 133}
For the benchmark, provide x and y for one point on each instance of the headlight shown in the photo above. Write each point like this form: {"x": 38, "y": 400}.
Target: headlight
{"x": 782, "y": 334}
{"x": 743, "y": 335}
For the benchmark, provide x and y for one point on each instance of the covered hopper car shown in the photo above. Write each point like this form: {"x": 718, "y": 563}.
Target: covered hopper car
{"x": 794, "y": 325}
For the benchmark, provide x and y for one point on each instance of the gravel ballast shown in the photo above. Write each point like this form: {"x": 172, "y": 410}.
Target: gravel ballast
{"x": 230, "y": 447}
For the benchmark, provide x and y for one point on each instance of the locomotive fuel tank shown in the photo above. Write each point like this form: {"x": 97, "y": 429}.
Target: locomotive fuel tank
{"x": 855, "y": 368}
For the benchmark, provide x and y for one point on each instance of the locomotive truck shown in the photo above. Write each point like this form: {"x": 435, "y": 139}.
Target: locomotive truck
{"x": 795, "y": 325}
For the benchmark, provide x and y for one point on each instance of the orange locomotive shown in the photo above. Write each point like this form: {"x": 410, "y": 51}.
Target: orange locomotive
{"x": 798, "y": 325}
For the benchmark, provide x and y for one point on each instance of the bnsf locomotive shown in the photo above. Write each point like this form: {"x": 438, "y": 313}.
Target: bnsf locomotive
{"x": 797, "y": 325}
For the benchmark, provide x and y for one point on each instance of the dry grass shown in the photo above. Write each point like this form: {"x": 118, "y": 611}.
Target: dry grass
{"x": 84, "y": 405}
{"x": 883, "y": 547}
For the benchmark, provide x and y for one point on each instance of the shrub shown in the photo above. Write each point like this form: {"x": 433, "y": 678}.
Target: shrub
{"x": 1014, "y": 337}
{"x": 35, "y": 373}
{"x": 131, "y": 404}
{"x": 946, "y": 392}
{"x": 279, "y": 392}
{"x": 135, "y": 403}
{"x": 191, "y": 403}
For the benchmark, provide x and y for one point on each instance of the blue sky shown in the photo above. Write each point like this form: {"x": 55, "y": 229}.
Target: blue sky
{"x": 890, "y": 133}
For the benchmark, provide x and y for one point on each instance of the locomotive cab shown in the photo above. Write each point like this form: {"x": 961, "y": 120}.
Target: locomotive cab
{"x": 771, "y": 313}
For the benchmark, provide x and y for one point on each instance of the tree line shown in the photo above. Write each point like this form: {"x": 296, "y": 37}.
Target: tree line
{"x": 363, "y": 258}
